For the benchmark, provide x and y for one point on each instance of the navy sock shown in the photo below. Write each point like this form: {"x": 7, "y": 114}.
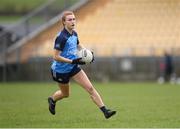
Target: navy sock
{"x": 53, "y": 100}
{"x": 103, "y": 109}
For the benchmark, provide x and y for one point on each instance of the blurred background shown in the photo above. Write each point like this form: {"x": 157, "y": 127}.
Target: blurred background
{"x": 133, "y": 40}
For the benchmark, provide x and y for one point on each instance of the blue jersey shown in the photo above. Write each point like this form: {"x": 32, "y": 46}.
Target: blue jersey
{"x": 66, "y": 43}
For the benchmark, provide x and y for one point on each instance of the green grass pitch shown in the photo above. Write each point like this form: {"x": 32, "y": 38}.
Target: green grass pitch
{"x": 138, "y": 105}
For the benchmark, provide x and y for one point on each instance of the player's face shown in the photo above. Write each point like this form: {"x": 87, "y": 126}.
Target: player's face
{"x": 70, "y": 22}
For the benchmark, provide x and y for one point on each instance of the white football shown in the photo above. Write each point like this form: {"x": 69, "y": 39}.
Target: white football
{"x": 86, "y": 55}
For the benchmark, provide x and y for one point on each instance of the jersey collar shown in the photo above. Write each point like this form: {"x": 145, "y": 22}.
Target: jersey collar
{"x": 68, "y": 32}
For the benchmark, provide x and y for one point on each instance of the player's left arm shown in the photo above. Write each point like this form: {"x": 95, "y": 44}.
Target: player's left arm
{"x": 80, "y": 46}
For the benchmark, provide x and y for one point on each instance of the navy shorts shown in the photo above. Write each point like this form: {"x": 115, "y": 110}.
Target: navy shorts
{"x": 64, "y": 77}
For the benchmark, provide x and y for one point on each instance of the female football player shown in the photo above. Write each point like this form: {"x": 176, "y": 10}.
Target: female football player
{"x": 66, "y": 66}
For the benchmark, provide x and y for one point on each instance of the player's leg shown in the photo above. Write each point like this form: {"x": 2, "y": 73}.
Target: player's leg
{"x": 63, "y": 92}
{"x": 82, "y": 79}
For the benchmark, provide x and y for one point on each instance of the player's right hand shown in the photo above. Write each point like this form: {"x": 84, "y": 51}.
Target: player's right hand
{"x": 78, "y": 61}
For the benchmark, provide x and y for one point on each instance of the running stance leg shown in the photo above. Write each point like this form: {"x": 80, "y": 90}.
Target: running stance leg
{"x": 82, "y": 79}
{"x": 58, "y": 95}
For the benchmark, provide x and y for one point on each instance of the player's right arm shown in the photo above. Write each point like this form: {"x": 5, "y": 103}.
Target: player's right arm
{"x": 59, "y": 58}
{"x": 58, "y": 48}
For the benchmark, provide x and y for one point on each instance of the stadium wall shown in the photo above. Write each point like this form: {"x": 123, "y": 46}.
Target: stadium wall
{"x": 103, "y": 69}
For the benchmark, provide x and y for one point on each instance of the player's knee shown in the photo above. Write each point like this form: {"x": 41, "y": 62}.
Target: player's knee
{"x": 90, "y": 90}
{"x": 92, "y": 97}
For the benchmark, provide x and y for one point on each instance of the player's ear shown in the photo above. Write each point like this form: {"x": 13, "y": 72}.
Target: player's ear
{"x": 63, "y": 23}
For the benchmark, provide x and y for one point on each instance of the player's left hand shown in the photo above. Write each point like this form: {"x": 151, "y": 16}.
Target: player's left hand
{"x": 93, "y": 57}
{"x": 78, "y": 61}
